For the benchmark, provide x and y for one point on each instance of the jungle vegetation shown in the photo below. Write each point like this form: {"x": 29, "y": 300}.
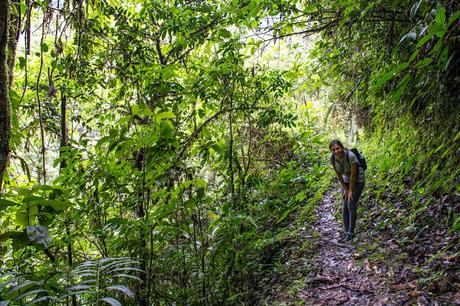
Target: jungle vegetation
{"x": 163, "y": 151}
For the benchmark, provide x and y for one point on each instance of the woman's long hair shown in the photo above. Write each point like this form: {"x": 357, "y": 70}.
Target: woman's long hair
{"x": 336, "y": 142}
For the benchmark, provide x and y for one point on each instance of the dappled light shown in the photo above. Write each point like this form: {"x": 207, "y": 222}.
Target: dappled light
{"x": 175, "y": 152}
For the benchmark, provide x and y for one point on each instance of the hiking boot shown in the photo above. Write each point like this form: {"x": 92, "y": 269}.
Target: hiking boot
{"x": 343, "y": 237}
{"x": 349, "y": 237}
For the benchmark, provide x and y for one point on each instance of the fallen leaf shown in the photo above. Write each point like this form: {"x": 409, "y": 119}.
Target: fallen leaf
{"x": 456, "y": 299}
{"x": 368, "y": 265}
{"x": 414, "y": 293}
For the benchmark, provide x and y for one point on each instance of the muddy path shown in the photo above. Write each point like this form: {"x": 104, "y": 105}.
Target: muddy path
{"x": 340, "y": 276}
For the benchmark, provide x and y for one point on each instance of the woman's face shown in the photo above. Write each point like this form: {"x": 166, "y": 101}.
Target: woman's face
{"x": 337, "y": 151}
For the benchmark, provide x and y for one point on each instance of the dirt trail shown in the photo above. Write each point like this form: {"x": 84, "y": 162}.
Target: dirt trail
{"x": 339, "y": 279}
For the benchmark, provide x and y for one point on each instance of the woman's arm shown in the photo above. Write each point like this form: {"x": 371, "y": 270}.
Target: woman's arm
{"x": 340, "y": 178}
{"x": 354, "y": 171}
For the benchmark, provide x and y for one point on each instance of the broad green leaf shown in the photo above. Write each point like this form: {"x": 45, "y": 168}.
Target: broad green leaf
{"x": 5, "y": 203}
{"x": 200, "y": 183}
{"x": 30, "y": 293}
{"x": 166, "y": 128}
{"x": 32, "y": 209}
{"x": 21, "y": 218}
{"x": 441, "y": 16}
{"x": 39, "y": 300}
{"x": 213, "y": 216}
{"x": 23, "y": 285}
{"x": 164, "y": 115}
{"x": 57, "y": 204}
{"x": 22, "y": 62}
{"x": 136, "y": 110}
{"x": 44, "y": 47}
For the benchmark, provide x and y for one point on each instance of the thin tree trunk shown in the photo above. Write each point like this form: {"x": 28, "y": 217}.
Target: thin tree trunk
{"x": 63, "y": 128}
{"x": 14, "y": 29}
{"x": 39, "y": 103}
{"x": 230, "y": 158}
{"x": 5, "y": 108}
{"x": 142, "y": 251}
{"x": 62, "y": 166}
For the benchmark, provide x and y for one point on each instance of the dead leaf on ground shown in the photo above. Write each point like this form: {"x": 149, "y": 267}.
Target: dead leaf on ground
{"x": 456, "y": 299}
{"x": 368, "y": 265}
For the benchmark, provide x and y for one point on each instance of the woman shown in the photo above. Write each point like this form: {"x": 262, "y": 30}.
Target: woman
{"x": 351, "y": 177}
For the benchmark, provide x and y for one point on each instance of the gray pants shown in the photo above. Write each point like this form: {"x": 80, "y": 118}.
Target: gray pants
{"x": 349, "y": 208}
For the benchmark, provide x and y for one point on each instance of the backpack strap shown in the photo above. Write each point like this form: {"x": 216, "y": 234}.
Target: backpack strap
{"x": 348, "y": 158}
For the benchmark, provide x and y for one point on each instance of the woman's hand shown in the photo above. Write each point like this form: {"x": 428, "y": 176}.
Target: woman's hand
{"x": 345, "y": 193}
{"x": 350, "y": 195}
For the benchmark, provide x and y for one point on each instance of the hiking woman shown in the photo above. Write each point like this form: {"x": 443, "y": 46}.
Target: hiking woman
{"x": 351, "y": 176}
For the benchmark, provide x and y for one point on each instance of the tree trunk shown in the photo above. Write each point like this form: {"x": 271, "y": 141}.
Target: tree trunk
{"x": 230, "y": 158}
{"x": 62, "y": 166}
{"x": 143, "y": 294}
{"x": 13, "y": 38}
{"x": 5, "y": 108}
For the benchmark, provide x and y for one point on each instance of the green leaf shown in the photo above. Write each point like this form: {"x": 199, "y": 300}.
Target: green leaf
{"x": 200, "y": 183}
{"x": 5, "y": 203}
{"x": 390, "y": 74}
{"x": 166, "y": 128}
{"x": 164, "y": 115}
{"x": 423, "y": 63}
{"x": 13, "y": 235}
{"x": 122, "y": 289}
{"x": 384, "y": 78}
{"x": 441, "y": 16}
{"x": 401, "y": 88}
{"x": 32, "y": 210}
{"x": 39, "y": 300}
{"x": 57, "y": 204}
{"x": 44, "y": 47}
{"x": 111, "y": 301}
{"x": 287, "y": 212}
{"x": 22, "y": 62}
{"x": 453, "y": 18}
{"x": 136, "y": 110}
{"x": 424, "y": 39}
{"x": 21, "y": 218}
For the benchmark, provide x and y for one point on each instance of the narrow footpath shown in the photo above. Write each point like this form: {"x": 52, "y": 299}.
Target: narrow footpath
{"x": 340, "y": 278}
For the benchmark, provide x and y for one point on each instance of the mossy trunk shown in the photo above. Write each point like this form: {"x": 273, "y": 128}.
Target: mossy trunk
{"x": 5, "y": 108}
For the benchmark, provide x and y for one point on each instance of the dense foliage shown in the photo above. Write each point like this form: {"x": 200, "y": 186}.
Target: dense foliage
{"x": 158, "y": 149}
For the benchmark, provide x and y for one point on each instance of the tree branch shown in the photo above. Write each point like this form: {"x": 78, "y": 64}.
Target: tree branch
{"x": 210, "y": 119}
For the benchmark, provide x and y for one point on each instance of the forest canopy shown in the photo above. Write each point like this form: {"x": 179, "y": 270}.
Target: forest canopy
{"x": 156, "y": 152}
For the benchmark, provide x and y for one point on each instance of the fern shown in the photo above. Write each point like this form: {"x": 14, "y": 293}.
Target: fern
{"x": 93, "y": 282}
{"x": 100, "y": 280}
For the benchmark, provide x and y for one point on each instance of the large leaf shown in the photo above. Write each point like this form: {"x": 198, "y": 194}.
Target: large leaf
{"x": 125, "y": 290}
{"x": 23, "y": 286}
{"x": 38, "y": 300}
{"x": 166, "y": 128}
{"x": 6, "y": 203}
{"x": 22, "y": 218}
{"x": 111, "y": 301}
{"x": 164, "y": 115}
{"x": 57, "y": 204}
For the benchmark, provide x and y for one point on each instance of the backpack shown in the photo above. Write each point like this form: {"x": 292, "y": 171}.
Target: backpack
{"x": 359, "y": 156}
